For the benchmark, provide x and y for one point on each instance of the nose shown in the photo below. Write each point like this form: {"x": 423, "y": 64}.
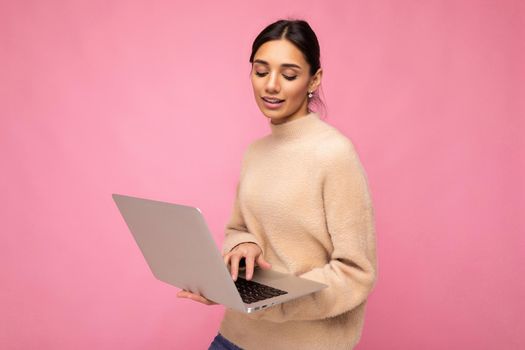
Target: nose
{"x": 272, "y": 84}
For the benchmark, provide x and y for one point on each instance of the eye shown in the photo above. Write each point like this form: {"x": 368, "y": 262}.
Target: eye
{"x": 260, "y": 74}
{"x": 287, "y": 77}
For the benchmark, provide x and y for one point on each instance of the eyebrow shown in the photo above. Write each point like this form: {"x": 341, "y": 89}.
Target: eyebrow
{"x": 288, "y": 65}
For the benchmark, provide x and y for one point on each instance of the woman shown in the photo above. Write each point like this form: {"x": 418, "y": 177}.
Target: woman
{"x": 302, "y": 206}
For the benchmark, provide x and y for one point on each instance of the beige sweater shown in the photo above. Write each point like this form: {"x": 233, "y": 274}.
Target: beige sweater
{"x": 303, "y": 197}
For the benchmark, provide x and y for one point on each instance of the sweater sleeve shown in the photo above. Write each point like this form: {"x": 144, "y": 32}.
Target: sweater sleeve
{"x": 351, "y": 271}
{"x": 236, "y": 231}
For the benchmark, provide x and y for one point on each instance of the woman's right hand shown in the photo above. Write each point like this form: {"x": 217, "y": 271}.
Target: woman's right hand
{"x": 251, "y": 253}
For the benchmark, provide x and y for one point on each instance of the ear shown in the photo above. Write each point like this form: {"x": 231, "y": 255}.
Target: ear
{"x": 315, "y": 80}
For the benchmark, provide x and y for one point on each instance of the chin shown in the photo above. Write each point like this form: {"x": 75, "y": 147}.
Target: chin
{"x": 272, "y": 114}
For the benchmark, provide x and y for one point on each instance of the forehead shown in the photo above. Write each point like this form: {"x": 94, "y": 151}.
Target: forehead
{"x": 277, "y": 52}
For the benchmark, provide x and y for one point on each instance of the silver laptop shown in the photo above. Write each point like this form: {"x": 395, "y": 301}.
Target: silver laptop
{"x": 180, "y": 250}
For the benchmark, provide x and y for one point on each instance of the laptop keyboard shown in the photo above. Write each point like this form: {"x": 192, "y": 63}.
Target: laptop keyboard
{"x": 252, "y": 292}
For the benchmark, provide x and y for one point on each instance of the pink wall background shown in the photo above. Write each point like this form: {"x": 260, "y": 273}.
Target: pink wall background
{"x": 152, "y": 98}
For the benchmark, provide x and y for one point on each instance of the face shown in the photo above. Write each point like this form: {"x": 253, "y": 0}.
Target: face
{"x": 281, "y": 81}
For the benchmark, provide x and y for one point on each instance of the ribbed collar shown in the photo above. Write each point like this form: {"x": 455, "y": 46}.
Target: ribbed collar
{"x": 295, "y": 128}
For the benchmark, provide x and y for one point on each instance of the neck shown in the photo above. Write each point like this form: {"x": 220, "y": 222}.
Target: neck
{"x": 296, "y": 127}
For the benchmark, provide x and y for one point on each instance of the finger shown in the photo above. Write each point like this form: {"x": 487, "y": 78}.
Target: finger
{"x": 234, "y": 265}
{"x": 263, "y": 263}
{"x": 195, "y": 297}
{"x": 201, "y": 299}
{"x": 250, "y": 261}
{"x": 227, "y": 257}
{"x": 183, "y": 294}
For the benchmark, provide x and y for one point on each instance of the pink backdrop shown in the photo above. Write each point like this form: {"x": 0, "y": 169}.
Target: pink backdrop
{"x": 153, "y": 98}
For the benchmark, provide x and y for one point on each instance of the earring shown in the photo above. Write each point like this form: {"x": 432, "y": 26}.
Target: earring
{"x": 310, "y": 94}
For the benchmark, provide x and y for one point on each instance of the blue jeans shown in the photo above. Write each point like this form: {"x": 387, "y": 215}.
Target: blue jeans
{"x": 221, "y": 343}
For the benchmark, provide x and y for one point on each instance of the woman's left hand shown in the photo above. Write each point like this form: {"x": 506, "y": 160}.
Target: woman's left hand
{"x": 195, "y": 297}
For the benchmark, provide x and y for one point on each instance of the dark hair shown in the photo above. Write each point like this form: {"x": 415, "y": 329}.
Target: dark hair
{"x": 299, "y": 33}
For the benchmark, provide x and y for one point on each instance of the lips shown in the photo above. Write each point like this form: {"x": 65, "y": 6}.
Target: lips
{"x": 272, "y": 100}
